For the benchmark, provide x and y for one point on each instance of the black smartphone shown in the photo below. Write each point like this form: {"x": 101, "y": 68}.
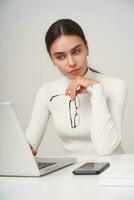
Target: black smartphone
{"x": 91, "y": 168}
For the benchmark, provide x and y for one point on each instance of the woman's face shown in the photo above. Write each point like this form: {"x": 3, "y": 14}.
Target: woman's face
{"x": 69, "y": 54}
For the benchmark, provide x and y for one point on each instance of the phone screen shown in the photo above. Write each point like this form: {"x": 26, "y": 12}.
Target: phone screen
{"x": 91, "y": 168}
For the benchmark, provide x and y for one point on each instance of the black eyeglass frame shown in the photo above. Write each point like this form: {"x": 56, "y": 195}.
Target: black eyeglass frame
{"x": 72, "y": 121}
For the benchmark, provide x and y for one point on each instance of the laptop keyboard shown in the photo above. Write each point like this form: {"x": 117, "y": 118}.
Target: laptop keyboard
{"x": 43, "y": 165}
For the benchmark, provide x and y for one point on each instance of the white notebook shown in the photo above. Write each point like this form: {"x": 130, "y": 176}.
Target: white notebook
{"x": 120, "y": 173}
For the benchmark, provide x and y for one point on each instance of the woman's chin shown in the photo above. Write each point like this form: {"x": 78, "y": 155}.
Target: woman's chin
{"x": 72, "y": 76}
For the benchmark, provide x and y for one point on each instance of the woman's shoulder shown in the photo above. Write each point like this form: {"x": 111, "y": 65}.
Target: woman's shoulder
{"x": 113, "y": 86}
{"x": 111, "y": 81}
{"x": 107, "y": 81}
{"x": 52, "y": 84}
{"x": 52, "y": 87}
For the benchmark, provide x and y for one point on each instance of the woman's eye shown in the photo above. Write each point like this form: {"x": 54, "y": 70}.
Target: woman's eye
{"x": 60, "y": 57}
{"x": 77, "y": 51}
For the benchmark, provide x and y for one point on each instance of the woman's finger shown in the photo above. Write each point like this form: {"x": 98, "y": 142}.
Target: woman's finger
{"x": 67, "y": 90}
{"x": 74, "y": 90}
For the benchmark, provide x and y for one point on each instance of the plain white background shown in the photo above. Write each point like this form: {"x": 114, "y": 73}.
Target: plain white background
{"x": 25, "y": 64}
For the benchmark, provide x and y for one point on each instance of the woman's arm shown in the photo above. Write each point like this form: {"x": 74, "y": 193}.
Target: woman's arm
{"x": 107, "y": 115}
{"x": 106, "y": 125}
{"x": 38, "y": 122}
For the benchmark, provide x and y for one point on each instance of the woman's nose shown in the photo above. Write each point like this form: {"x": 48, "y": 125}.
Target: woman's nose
{"x": 71, "y": 61}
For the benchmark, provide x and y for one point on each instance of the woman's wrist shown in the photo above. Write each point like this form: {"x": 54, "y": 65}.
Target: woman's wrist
{"x": 34, "y": 151}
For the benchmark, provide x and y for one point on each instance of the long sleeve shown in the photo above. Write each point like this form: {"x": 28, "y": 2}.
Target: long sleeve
{"x": 107, "y": 114}
{"x": 39, "y": 119}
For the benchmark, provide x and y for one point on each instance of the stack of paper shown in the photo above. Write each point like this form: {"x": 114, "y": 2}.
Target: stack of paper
{"x": 119, "y": 173}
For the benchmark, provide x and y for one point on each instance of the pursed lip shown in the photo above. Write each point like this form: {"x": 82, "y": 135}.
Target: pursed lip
{"x": 74, "y": 71}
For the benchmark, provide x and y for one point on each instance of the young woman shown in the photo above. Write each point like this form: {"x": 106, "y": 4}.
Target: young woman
{"x": 86, "y": 106}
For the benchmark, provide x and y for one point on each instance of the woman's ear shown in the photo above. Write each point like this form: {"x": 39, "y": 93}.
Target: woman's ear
{"x": 87, "y": 48}
{"x": 87, "y": 51}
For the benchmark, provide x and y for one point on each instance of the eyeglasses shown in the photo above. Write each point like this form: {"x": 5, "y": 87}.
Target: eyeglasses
{"x": 73, "y": 110}
{"x": 57, "y": 95}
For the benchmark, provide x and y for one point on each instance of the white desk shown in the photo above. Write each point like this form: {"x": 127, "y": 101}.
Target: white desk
{"x": 63, "y": 185}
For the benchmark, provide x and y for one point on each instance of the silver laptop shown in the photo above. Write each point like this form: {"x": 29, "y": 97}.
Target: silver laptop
{"x": 16, "y": 158}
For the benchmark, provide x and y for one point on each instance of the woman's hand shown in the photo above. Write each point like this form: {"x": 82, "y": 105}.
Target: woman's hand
{"x": 33, "y": 150}
{"x": 79, "y": 85}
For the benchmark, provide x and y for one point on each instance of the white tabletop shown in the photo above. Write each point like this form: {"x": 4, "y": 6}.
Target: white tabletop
{"x": 63, "y": 185}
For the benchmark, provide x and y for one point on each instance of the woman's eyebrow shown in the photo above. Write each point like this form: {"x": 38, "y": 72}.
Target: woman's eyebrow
{"x": 61, "y": 52}
{"x": 58, "y": 53}
{"x": 77, "y": 46}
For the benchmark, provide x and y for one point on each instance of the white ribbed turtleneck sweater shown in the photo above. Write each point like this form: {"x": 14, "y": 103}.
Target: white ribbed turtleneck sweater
{"x": 99, "y": 119}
